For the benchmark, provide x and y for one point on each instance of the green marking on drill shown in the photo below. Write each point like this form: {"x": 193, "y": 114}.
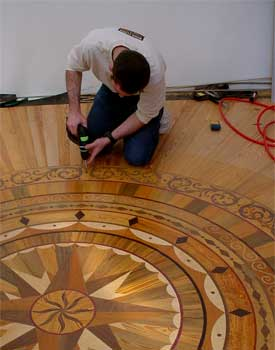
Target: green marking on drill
{"x": 84, "y": 138}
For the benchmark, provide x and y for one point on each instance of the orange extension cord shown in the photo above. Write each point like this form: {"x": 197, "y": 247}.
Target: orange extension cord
{"x": 267, "y": 142}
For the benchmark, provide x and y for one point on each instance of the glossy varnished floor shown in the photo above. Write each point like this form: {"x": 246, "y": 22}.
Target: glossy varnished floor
{"x": 176, "y": 255}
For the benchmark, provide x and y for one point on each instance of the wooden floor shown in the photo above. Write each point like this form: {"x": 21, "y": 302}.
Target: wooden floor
{"x": 176, "y": 255}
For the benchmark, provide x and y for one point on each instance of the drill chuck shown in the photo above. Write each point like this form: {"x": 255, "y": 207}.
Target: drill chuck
{"x": 83, "y": 141}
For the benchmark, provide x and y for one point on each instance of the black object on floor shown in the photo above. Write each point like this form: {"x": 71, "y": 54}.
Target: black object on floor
{"x": 215, "y": 126}
{"x": 5, "y": 98}
{"x": 216, "y": 92}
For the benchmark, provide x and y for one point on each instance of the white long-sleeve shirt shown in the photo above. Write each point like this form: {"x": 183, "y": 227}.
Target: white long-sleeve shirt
{"x": 94, "y": 53}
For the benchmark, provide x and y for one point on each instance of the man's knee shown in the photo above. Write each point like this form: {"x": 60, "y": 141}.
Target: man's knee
{"x": 137, "y": 158}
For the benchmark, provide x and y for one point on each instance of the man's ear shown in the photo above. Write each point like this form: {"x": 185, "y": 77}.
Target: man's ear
{"x": 111, "y": 65}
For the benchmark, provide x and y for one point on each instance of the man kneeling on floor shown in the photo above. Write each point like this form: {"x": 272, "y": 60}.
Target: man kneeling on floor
{"x": 129, "y": 104}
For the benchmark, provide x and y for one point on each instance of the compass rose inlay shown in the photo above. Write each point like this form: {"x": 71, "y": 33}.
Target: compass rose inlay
{"x": 63, "y": 311}
{"x": 77, "y": 294}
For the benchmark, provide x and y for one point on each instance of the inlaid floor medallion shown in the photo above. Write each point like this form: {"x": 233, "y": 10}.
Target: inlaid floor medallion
{"x": 116, "y": 260}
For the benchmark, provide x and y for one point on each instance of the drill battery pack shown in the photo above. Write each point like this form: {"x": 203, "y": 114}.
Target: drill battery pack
{"x": 83, "y": 141}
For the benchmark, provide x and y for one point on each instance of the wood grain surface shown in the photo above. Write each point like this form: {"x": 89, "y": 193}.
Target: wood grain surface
{"x": 175, "y": 255}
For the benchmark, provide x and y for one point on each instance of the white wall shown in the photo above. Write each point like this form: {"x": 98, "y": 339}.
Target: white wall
{"x": 203, "y": 41}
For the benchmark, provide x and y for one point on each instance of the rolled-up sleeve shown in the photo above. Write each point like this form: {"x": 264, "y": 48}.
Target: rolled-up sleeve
{"x": 80, "y": 58}
{"x": 151, "y": 101}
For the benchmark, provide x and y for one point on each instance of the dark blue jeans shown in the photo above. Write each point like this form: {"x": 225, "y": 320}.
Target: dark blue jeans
{"x": 109, "y": 111}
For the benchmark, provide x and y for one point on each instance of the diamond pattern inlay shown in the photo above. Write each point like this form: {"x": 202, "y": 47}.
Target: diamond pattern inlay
{"x": 224, "y": 252}
{"x": 219, "y": 269}
{"x": 210, "y": 242}
{"x": 24, "y": 220}
{"x": 265, "y": 330}
{"x": 133, "y": 221}
{"x": 79, "y": 215}
{"x": 237, "y": 265}
{"x": 262, "y": 312}
{"x": 181, "y": 239}
{"x": 240, "y": 312}
{"x": 256, "y": 295}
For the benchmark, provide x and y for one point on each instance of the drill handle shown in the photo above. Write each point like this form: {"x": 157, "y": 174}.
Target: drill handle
{"x": 83, "y": 141}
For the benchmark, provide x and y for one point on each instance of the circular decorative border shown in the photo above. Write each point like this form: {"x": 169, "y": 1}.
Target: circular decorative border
{"x": 122, "y": 210}
{"x": 245, "y": 208}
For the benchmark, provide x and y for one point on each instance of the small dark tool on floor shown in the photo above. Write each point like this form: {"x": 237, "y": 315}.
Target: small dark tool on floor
{"x": 11, "y": 100}
{"x": 216, "y": 92}
{"x": 215, "y": 126}
{"x": 6, "y": 98}
{"x": 83, "y": 141}
{"x": 206, "y": 95}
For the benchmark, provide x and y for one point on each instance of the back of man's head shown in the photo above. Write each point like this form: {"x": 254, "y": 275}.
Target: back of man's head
{"x": 131, "y": 71}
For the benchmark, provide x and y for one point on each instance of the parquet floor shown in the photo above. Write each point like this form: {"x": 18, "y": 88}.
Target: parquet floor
{"x": 176, "y": 255}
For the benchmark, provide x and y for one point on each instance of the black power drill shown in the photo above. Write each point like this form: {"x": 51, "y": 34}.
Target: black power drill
{"x": 83, "y": 136}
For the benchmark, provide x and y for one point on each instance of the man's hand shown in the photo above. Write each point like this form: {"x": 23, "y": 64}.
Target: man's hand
{"x": 73, "y": 120}
{"x": 96, "y": 147}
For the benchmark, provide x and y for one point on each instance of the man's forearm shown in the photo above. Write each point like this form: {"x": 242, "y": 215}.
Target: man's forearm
{"x": 128, "y": 127}
{"x": 73, "y": 83}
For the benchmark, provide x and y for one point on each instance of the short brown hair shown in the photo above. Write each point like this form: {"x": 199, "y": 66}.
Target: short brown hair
{"x": 131, "y": 71}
